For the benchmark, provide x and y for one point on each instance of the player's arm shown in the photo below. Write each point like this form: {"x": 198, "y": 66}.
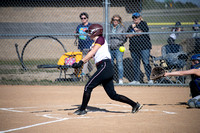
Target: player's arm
{"x": 76, "y": 32}
{"x": 91, "y": 53}
{"x": 182, "y": 73}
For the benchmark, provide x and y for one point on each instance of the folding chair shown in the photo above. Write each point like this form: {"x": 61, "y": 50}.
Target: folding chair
{"x": 173, "y": 59}
{"x": 67, "y": 59}
{"x": 64, "y": 63}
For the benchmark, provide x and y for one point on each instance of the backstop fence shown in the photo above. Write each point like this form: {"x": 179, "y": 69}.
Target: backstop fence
{"x": 37, "y": 37}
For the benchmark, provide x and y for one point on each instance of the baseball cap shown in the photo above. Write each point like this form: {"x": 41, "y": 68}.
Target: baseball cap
{"x": 196, "y": 57}
{"x": 135, "y": 15}
{"x": 196, "y": 21}
{"x": 178, "y": 23}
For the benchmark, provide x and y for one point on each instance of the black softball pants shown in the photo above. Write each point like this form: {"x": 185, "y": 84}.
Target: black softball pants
{"x": 104, "y": 76}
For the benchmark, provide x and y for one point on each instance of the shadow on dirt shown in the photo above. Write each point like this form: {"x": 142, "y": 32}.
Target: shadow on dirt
{"x": 92, "y": 109}
{"x": 180, "y": 103}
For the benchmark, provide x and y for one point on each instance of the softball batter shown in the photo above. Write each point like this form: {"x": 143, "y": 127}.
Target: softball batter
{"x": 104, "y": 74}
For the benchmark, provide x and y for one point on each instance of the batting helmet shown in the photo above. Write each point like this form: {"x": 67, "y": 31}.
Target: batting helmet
{"x": 95, "y": 30}
{"x": 196, "y": 57}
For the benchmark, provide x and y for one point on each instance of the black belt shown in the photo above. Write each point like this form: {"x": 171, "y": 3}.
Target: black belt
{"x": 100, "y": 62}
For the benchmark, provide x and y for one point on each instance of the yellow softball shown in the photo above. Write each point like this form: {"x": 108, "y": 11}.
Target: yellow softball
{"x": 122, "y": 49}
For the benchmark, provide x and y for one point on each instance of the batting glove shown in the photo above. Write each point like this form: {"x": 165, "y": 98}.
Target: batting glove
{"x": 78, "y": 65}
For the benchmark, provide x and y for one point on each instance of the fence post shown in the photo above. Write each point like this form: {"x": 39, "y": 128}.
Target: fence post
{"x": 106, "y": 19}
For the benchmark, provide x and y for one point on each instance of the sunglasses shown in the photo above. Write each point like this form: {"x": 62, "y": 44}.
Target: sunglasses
{"x": 115, "y": 20}
{"x": 135, "y": 17}
{"x": 83, "y": 18}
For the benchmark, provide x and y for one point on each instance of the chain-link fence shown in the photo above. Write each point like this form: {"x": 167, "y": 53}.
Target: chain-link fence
{"x": 35, "y": 34}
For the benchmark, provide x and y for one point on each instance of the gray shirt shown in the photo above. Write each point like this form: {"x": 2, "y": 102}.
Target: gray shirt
{"x": 117, "y": 40}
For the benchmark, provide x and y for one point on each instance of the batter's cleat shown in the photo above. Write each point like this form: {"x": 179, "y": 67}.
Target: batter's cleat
{"x": 79, "y": 112}
{"x": 137, "y": 108}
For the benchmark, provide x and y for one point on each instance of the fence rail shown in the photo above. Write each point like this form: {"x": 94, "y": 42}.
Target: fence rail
{"x": 32, "y": 21}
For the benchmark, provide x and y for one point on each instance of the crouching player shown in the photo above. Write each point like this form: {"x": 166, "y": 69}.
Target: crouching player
{"x": 194, "y": 102}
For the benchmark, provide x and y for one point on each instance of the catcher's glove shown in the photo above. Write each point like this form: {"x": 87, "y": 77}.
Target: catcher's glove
{"x": 157, "y": 72}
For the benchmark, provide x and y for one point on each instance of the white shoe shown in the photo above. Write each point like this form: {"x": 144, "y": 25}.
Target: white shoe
{"x": 120, "y": 81}
{"x": 150, "y": 82}
{"x": 134, "y": 82}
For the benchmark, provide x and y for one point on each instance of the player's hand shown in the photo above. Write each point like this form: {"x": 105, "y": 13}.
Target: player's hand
{"x": 78, "y": 65}
{"x": 133, "y": 25}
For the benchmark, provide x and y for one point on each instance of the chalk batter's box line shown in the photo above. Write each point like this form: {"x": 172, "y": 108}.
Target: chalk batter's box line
{"x": 67, "y": 118}
{"x": 46, "y": 116}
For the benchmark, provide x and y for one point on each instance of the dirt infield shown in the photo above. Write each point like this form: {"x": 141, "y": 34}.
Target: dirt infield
{"x": 48, "y": 109}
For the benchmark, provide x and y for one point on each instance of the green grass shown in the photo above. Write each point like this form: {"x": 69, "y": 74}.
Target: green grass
{"x": 14, "y": 66}
{"x": 40, "y": 62}
{"x": 29, "y": 62}
{"x": 4, "y": 81}
{"x": 21, "y": 71}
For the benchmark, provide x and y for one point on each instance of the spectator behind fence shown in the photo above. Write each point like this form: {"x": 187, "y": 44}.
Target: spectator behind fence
{"x": 84, "y": 42}
{"x": 196, "y": 36}
{"x": 176, "y": 28}
{"x": 196, "y": 25}
{"x": 172, "y": 54}
{"x": 116, "y": 41}
{"x": 139, "y": 46}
